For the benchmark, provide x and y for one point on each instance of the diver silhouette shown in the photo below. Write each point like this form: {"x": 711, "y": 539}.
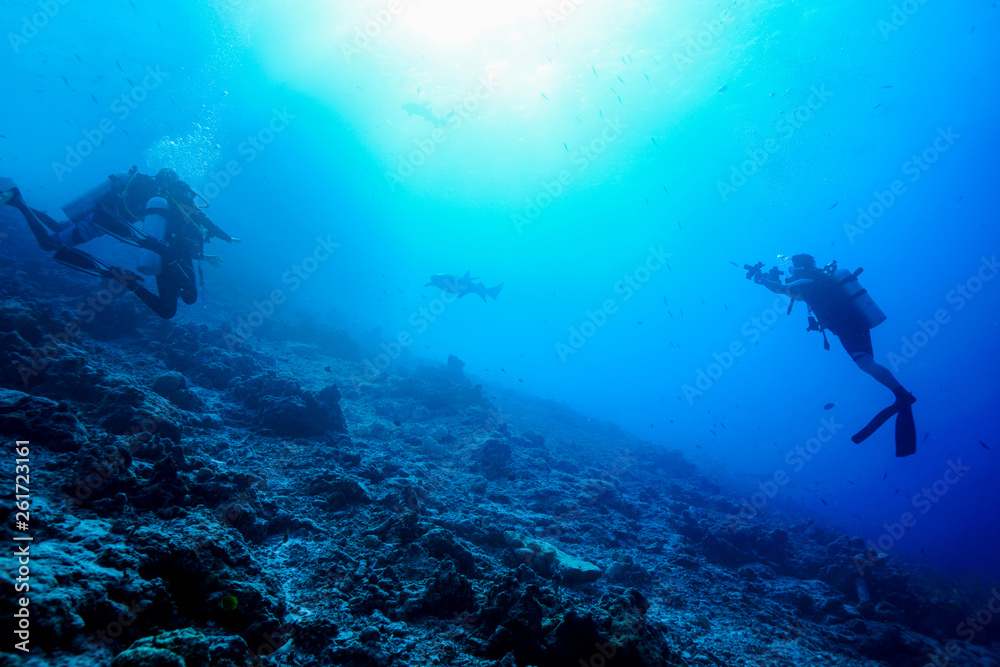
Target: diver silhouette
{"x": 838, "y": 303}
{"x": 173, "y": 234}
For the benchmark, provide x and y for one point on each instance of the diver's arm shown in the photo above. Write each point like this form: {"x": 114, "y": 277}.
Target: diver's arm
{"x": 789, "y": 289}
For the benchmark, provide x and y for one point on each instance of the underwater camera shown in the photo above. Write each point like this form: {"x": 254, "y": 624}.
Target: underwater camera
{"x": 758, "y": 270}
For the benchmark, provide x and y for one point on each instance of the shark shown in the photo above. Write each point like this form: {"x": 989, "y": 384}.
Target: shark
{"x": 424, "y": 111}
{"x": 462, "y": 285}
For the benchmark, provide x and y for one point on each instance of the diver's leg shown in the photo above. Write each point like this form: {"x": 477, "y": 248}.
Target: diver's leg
{"x": 163, "y": 304}
{"x": 187, "y": 285}
{"x": 859, "y": 345}
{"x": 867, "y": 363}
{"x": 42, "y": 224}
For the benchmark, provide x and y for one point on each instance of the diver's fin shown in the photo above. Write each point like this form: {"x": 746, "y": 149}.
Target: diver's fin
{"x": 81, "y": 261}
{"x": 494, "y": 291}
{"x": 121, "y": 230}
{"x": 881, "y": 418}
{"x": 906, "y": 432}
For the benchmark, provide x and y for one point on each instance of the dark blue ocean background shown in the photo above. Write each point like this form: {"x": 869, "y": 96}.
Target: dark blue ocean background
{"x": 608, "y": 162}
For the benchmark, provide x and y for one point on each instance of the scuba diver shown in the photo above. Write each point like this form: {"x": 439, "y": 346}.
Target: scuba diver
{"x": 173, "y": 234}
{"x": 838, "y": 303}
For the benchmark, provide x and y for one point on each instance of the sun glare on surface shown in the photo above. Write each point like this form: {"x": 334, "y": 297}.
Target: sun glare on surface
{"x": 461, "y": 21}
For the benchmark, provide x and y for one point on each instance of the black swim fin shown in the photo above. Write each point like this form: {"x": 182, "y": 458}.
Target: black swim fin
{"x": 906, "y": 432}
{"x": 81, "y": 261}
{"x": 121, "y": 230}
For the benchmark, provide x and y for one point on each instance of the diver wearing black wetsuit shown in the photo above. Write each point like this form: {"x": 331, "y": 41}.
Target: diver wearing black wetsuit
{"x": 126, "y": 199}
{"x": 837, "y": 310}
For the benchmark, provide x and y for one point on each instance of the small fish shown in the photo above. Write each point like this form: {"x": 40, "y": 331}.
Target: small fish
{"x": 654, "y": 142}
{"x": 647, "y": 77}
{"x": 703, "y": 302}
{"x": 545, "y": 96}
{"x": 619, "y": 98}
{"x": 418, "y": 90}
{"x": 594, "y": 68}
{"x": 886, "y": 87}
{"x": 285, "y": 541}
{"x": 639, "y": 322}
{"x": 621, "y": 79}
{"x": 520, "y": 380}
{"x": 130, "y": 82}
{"x": 824, "y": 502}
{"x": 834, "y": 206}
{"x": 723, "y": 89}
{"x": 579, "y": 120}
{"x": 566, "y": 147}
{"x": 623, "y": 61}
{"x": 829, "y": 406}
{"x": 228, "y": 602}
{"x": 600, "y": 113}
{"x": 734, "y": 264}
{"x": 396, "y": 422}
{"x": 94, "y": 98}
{"x": 78, "y": 57}
{"x": 985, "y": 446}
{"x": 884, "y": 476}
{"x": 679, "y": 225}
{"x": 328, "y": 369}
{"x": 503, "y": 370}
{"x": 711, "y": 431}
{"x": 877, "y": 106}
{"x": 859, "y": 517}
{"x": 647, "y": 201}
{"x": 895, "y": 492}
{"x": 665, "y": 189}
{"x": 119, "y": 65}
{"x": 66, "y": 82}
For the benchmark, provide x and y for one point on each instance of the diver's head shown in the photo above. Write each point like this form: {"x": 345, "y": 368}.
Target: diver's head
{"x": 170, "y": 183}
{"x": 801, "y": 264}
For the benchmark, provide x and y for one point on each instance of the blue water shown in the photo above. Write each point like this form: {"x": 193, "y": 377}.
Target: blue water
{"x": 586, "y": 143}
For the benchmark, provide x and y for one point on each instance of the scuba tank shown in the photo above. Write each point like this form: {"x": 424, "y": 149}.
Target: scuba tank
{"x": 80, "y": 208}
{"x": 154, "y": 224}
{"x": 855, "y": 295}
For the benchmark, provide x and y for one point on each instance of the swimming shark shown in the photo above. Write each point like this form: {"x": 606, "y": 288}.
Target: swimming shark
{"x": 424, "y": 111}
{"x": 462, "y": 285}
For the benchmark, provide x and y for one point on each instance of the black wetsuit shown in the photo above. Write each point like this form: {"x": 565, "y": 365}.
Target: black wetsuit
{"x": 835, "y": 312}
{"x": 187, "y": 230}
